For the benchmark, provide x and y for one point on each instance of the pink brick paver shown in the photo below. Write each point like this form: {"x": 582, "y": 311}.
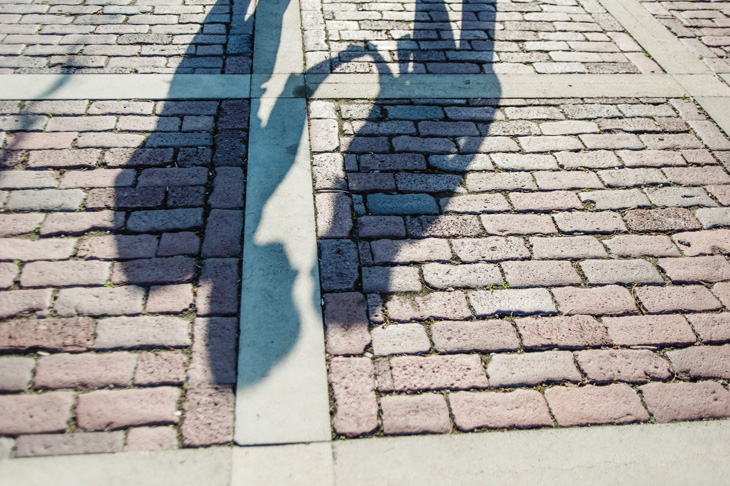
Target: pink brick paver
{"x": 686, "y": 401}
{"x": 608, "y": 300}
{"x": 574, "y": 250}
{"x": 352, "y": 381}
{"x": 519, "y": 408}
{"x": 85, "y": 370}
{"x": 346, "y": 323}
{"x": 104, "y": 409}
{"x": 486, "y": 335}
{"x": 532, "y": 369}
{"x": 562, "y": 331}
{"x": 701, "y": 361}
{"x": 612, "y": 404}
{"x": 34, "y": 414}
{"x": 416, "y": 414}
{"x": 625, "y": 365}
{"x": 119, "y": 290}
{"x": 458, "y": 371}
{"x": 651, "y": 330}
{"x": 208, "y": 414}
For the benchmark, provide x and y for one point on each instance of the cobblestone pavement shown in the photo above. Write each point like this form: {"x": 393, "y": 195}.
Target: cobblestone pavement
{"x": 124, "y": 36}
{"x": 484, "y": 263}
{"x": 120, "y": 247}
{"x": 704, "y": 27}
{"x": 479, "y": 37}
{"x": 563, "y": 264}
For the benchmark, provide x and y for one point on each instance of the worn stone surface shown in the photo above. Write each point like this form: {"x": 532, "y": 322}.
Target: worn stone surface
{"x": 208, "y": 412}
{"x": 415, "y": 414}
{"x": 352, "y": 381}
{"x": 519, "y": 408}
{"x": 532, "y": 369}
{"x": 35, "y": 414}
{"x": 112, "y": 409}
{"x": 612, "y": 404}
{"x": 626, "y": 365}
{"x": 686, "y": 401}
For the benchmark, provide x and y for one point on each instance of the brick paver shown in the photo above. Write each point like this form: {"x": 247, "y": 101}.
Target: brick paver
{"x": 120, "y": 272}
{"x": 487, "y": 37}
{"x": 584, "y": 273}
{"x": 122, "y": 37}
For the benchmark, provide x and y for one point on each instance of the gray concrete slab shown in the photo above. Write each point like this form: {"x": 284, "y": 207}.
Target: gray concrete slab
{"x": 673, "y": 454}
{"x": 669, "y": 454}
{"x": 124, "y": 86}
{"x": 217, "y": 86}
{"x": 703, "y": 85}
{"x": 291, "y": 465}
{"x": 187, "y": 467}
{"x": 282, "y": 392}
{"x": 491, "y": 86}
{"x": 278, "y": 47}
{"x": 277, "y": 86}
{"x": 666, "y": 49}
{"x": 718, "y": 109}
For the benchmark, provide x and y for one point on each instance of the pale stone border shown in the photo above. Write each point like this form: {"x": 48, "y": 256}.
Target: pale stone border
{"x": 448, "y": 86}
{"x": 666, "y": 49}
{"x": 707, "y": 88}
{"x": 669, "y": 454}
{"x": 123, "y": 86}
{"x": 282, "y": 394}
{"x": 674, "y": 454}
{"x": 351, "y": 86}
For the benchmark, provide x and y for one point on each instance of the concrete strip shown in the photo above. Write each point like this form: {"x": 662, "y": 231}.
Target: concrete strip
{"x": 666, "y": 49}
{"x": 493, "y": 86}
{"x": 718, "y": 109}
{"x": 218, "y": 86}
{"x": 124, "y": 86}
{"x": 185, "y": 467}
{"x": 703, "y": 85}
{"x": 672, "y": 454}
{"x": 278, "y": 47}
{"x": 282, "y": 380}
{"x": 291, "y": 465}
{"x": 725, "y": 77}
{"x": 277, "y": 86}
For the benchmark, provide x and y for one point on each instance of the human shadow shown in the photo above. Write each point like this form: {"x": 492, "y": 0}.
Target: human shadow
{"x": 410, "y": 156}
{"x": 187, "y": 194}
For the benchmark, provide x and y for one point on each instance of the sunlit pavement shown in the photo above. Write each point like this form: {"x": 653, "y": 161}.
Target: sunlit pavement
{"x": 350, "y": 242}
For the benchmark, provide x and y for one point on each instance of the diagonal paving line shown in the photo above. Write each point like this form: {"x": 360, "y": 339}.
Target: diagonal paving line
{"x": 666, "y": 49}
{"x": 708, "y": 89}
